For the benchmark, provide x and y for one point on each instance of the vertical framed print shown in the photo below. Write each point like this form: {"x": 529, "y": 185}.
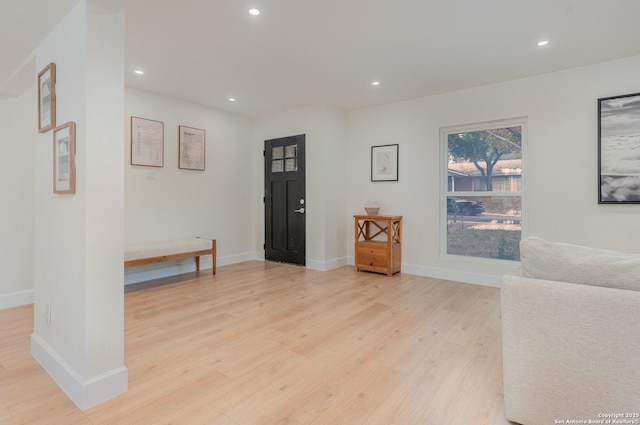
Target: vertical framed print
{"x": 191, "y": 148}
{"x": 384, "y": 163}
{"x": 64, "y": 158}
{"x": 619, "y": 149}
{"x": 47, "y": 98}
{"x": 147, "y": 142}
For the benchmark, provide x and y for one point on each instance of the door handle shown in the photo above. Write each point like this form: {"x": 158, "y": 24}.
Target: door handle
{"x": 299, "y": 211}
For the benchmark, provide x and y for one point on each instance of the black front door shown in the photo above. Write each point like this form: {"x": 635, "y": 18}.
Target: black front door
{"x": 284, "y": 202}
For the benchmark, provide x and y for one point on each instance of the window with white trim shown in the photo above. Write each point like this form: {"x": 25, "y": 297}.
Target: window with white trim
{"x": 482, "y": 196}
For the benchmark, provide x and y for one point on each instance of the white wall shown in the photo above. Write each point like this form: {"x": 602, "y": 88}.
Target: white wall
{"x": 78, "y": 237}
{"x": 225, "y": 201}
{"x": 561, "y": 165}
{"x": 104, "y": 187}
{"x": 60, "y": 219}
{"x": 170, "y": 203}
{"x": 326, "y": 165}
{"x": 333, "y": 173}
{"x": 17, "y": 138}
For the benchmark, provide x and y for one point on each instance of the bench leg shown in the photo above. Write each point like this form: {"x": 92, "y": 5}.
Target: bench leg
{"x": 198, "y": 263}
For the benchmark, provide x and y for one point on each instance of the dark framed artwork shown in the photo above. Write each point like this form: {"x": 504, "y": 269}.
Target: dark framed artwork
{"x": 384, "y": 163}
{"x": 619, "y": 149}
{"x": 47, "y": 98}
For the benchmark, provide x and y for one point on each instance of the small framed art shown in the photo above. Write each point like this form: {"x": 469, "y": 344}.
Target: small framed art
{"x": 384, "y": 163}
{"x": 618, "y": 147}
{"x": 64, "y": 158}
{"x": 191, "y": 148}
{"x": 147, "y": 142}
{"x": 47, "y": 98}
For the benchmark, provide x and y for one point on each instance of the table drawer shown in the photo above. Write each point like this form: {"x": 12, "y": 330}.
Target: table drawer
{"x": 374, "y": 257}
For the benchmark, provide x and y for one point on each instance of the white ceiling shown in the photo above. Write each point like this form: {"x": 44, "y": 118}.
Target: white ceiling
{"x": 304, "y": 52}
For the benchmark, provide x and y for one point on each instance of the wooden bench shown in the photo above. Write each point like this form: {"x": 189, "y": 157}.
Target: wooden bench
{"x": 138, "y": 255}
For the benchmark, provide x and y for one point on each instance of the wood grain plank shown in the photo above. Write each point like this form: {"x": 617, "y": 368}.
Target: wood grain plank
{"x": 277, "y": 344}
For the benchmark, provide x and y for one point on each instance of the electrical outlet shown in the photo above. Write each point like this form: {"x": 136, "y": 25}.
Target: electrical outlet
{"x": 47, "y": 313}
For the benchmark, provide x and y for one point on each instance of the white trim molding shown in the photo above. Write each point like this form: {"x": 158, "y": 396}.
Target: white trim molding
{"x": 325, "y": 266}
{"x": 493, "y": 280}
{"x": 16, "y": 299}
{"x": 85, "y": 393}
{"x": 454, "y": 275}
{"x": 174, "y": 268}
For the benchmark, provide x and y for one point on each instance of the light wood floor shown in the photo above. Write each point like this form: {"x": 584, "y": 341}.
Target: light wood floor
{"x": 267, "y": 344}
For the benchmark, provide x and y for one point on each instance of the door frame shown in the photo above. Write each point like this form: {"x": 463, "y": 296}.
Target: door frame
{"x": 298, "y": 254}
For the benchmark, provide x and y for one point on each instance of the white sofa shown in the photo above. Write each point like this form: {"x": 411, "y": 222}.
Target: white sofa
{"x": 571, "y": 335}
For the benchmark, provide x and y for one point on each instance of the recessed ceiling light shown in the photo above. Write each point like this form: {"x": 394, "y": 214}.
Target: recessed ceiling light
{"x": 375, "y": 83}
{"x": 254, "y": 12}
{"x": 232, "y": 99}
{"x": 139, "y": 71}
{"x": 542, "y": 43}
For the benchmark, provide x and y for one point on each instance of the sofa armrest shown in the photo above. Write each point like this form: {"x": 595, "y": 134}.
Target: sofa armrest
{"x": 570, "y": 351}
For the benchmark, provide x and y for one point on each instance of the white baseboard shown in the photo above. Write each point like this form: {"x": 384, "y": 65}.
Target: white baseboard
{"x": 16, "y": 299}
{"x": 454, "y": 275}
{"x": 240, "y": 258}
{"x": 85, "y": 393}
{"x": 449, "y": 274}
{"x": 173, "y": 268}
{"x": 325, "y": 266}
{"x": 156, "y": 271}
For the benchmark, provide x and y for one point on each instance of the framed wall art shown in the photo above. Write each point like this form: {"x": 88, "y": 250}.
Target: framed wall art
{"x": 191, "y": 148}
{"x": 147, "y": 142}
{"x": 384, "y": 163}
{"x": 619, "y": 149}
{"x": 64, "y": 158}
{"x": 47, "y": 98}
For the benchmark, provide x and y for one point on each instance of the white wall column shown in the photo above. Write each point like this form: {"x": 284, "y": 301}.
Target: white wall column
{"x": 79, "y": 237}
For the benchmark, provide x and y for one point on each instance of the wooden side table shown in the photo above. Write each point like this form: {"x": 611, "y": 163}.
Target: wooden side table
{"x": 378, "y": 243}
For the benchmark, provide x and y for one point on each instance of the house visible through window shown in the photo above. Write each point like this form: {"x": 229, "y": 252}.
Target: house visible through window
{"x": 483, "y": 196}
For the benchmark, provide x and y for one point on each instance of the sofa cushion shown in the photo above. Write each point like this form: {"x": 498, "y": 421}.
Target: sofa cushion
{"x": 546, "y": 260}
